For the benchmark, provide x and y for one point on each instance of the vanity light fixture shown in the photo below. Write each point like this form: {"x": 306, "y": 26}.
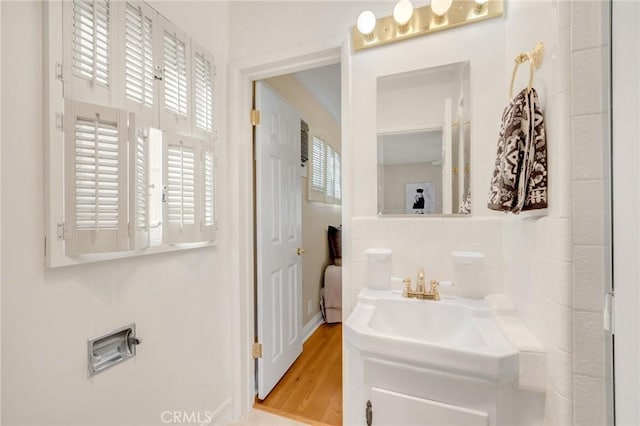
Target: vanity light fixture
{"x": 407, "y": 21}
{"x": 440, "y": 9}
{"x": 480, "y": 6}
{"x": 402, "y": 14}
{"x": 366, "y": 24}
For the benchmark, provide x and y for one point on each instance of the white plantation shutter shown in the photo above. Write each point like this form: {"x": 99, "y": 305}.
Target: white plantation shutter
{"x": 88, "y": 51}
{"x": 95, "y": 178}
{"x": 176, "y": 78}
{"x": 139, "y": 189}
{"x": 208, "y": 195}
{"x": 337, "y": 176}
{"x": 203, "y": 72}
{"x": 182, "y": 189}
{"x": 330, "y": 173}
{"x": 175, "y": 74}
{"x": 138, "y": 70}
{"x": 318, "y": 167}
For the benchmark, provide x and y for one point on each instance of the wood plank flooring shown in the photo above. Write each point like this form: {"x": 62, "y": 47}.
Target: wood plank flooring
{"x": 311, "y": 391}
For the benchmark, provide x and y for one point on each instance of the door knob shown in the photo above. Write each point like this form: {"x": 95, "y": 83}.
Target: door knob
{"x": 300, "y": 251}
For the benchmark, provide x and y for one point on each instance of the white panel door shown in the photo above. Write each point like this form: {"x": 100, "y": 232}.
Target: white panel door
{"x": 279, "y": 226}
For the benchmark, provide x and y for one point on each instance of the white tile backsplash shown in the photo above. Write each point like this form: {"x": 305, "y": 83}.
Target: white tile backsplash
{"x": 588, "y": 27}
{"x": 588, "y": 225}
{"x": 589, "y": 78}
{"x": 561, "y": 239}
{"x": 589, "y": 396}
{"x": 428, "y": 243}
{"x": 559, "y": 371}
{"x": 558, "y": 409}
{"x": 588, "y": 278}
{"x": 589, "y": 357}
{"x": 588, "y": 149}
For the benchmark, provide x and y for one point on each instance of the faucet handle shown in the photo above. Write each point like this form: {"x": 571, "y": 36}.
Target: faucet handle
{"x": 434, "y": 289}
{"x": 406, "y": 287}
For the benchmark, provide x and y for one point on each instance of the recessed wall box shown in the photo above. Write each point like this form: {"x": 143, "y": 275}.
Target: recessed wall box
{"x": 111, "y": 349}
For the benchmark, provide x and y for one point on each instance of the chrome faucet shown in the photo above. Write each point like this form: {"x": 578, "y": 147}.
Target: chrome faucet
{"x": 420, "y": 292}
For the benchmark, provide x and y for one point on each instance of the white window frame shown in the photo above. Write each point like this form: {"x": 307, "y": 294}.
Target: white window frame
{"x": 60, "y": 84}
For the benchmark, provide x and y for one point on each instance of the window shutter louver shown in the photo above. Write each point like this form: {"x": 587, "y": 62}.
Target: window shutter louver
{"x": 208, "y": 198}
{"x": 318, "y": 165}
{"x": 91, "y": 26}
{"x": 139, "y": 189}
{"x": 88, "y": 37}
{"x": 203, "y": 92}
{"x": 182, "y": 189}
{"x": 330, "y": 173}
{"x": 175, "y": 74}
{"x": 96, "y": 194}
{"x": 337, "y": 188}
{"x": 139, "y": 69}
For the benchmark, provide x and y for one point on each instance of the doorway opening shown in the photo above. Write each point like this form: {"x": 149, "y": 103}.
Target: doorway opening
{"x": 298, "y": 288}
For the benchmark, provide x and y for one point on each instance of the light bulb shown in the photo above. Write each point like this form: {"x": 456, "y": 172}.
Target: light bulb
{"x": 366, "y": 22}
{"x": 440, "y": 7}
{"x": 402, "y": 12}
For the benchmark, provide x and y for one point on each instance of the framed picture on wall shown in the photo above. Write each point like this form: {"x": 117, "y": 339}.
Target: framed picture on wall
{"x": 420, "y": 198}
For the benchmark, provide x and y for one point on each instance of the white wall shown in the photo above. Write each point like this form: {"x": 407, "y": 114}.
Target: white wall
{"x": 179, "y": 301}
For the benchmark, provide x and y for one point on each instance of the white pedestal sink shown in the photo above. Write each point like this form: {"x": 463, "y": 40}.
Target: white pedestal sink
{"x": 422, "y": 362}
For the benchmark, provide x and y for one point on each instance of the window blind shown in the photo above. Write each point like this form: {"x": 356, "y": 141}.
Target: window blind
{"x": 181, "y": 194}
{"x": 318, "y": 165}
{"x": 184, "y": 180}
{"x": 330, "y": 172}
{"x": 337, "y": 174}
{"x": 139, "y": 70}
{"x": 208, "y": 189}
{"x": 91, "y": 26}
{"x": 175, "y": 74}
{"x": 203, "y": 92}
{"x": 139, "y": 179}
{"x": 96, "y": 177}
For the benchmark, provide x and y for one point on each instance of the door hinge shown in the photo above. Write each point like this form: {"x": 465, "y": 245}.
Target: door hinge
{"x": 59, "y": 71}
{"x": 609, "y": 311}
{"x": 59, "y": 121}
{"x": 60, "y": 231}
{"x": 255, "y": 117}
{"x": 256, "y": 350}
{"x": 369, "y": 413}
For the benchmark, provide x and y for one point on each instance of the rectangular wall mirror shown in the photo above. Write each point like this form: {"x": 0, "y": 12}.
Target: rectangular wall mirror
{"x": 423, "y": 125}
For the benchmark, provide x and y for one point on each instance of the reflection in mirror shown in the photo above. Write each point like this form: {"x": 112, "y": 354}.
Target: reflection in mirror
{"x": 424, "y": 141}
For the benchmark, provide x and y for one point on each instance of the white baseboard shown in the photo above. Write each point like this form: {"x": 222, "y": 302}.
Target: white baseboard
{"x": 312, "y": 326}
{"x": 222, "y": 415}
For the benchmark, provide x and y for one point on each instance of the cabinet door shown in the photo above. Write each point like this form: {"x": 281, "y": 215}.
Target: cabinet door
{"x": 397, "y": 409}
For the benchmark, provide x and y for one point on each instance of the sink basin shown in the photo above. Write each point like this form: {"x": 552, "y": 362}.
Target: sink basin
{"x": 456, "y": 335}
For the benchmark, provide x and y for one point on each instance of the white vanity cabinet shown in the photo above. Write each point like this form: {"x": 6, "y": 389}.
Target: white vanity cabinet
{"x": 399, "y": 409}
{"x": 401, "y": 394}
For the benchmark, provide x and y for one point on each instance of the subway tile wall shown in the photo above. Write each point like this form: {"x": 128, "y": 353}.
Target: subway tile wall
{"x": 591, "y": 218}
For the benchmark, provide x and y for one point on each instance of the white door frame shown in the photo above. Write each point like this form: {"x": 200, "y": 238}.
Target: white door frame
{"x": 626, "y": 202}
{"x": 240, "y": 213}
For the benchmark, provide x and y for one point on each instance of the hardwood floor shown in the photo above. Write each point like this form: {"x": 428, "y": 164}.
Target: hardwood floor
{"x": 311, "y": 391}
